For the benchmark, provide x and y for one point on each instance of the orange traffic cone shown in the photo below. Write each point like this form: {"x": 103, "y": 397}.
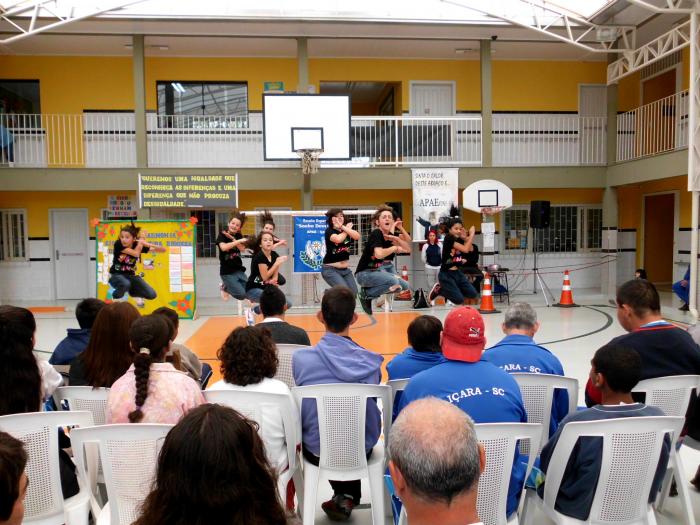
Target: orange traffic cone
{"x": 567, "y": 298}
{"x": 404, "y": 273}
{"x": 487, "y": 306}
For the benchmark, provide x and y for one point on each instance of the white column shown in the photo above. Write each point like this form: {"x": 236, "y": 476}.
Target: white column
{"x": 608, "y": 268}
{"x": 694, "y": 154}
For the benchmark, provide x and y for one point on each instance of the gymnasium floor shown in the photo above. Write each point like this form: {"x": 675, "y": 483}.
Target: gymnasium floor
{"x": 572, "y": 334}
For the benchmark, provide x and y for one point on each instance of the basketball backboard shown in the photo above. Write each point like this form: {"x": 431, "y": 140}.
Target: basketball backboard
{"x": 487, "y": 194}
{"x": 293, "y": 122}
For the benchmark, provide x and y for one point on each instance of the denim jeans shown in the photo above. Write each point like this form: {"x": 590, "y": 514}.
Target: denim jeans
{"x": 455, "y": 287}
{"x": 339, "y": 277}
{"x": 377, "y": 282}
{"x": 253, "y": 295}
{"x": 683, "y": 292}
{"x": 133, "y": 284}
{"x": 234, "y": 284}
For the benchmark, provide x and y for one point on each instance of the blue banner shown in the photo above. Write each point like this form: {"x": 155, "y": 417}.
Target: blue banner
{"x": 309, "y": 245}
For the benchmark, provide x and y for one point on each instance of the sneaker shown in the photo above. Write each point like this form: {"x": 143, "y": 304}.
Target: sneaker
{"x": 684, "y": 308}
{"x": 380, "y": 301}
{"x": 139, "y": 302}
{"x": 434, "y": 292}
{"x": 224, "y": 294}
{"x": 339, "y": 507}
{"x": 365, "y": 302}
{"x": 250, "y": 317}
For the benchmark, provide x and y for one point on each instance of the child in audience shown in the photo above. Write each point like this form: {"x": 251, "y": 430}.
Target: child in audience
{"x": 640, "y": 273}
{"x": 77, "y": 339}
{"x": 191, "y": 364}
{"x": 13, "y": 480}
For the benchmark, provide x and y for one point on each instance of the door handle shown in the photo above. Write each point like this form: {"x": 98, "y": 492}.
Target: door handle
{"x": 58, "y": 255}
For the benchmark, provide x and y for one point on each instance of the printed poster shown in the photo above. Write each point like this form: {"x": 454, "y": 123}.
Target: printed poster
{"x": 171, "y": 273}
{"x": 434, "y": 191}
{"x": 309, "y": 244}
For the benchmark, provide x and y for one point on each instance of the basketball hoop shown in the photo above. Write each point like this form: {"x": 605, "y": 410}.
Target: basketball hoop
{"x": 491, "y": 210}
{"x": 310, "y": 161}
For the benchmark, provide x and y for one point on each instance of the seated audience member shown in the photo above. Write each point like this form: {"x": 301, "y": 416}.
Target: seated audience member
{"x": 665, "y": 349}
{"x": 13, "y": 480}
{"x": 191, "y": 364}
{"x": 481, "y": 389}
{"x": 682, "y": 290}
{"x": 615, "y": 370}
{"x": 640, "y": 273}
{"x": 212, "y": 469}
{"x": 273, "y": 304}
{"x": 108, "y": 354}
{"x": 151, "y": 391}
{"x": 435, "y": 461}
{"x": 337, "y": 359}
{"x": 76, "y": 339}
{"x": 518, "y": 352}
{"x": 249, "y": 362}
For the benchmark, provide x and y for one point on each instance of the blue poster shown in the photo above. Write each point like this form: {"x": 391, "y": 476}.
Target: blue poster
{"x": 309, "y": 245}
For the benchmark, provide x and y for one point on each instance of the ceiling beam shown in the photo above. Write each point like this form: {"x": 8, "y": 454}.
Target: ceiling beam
{"x": 672, "y": 6}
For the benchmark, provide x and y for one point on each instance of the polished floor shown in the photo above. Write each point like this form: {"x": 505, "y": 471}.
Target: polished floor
{"x": 572, "y": 334}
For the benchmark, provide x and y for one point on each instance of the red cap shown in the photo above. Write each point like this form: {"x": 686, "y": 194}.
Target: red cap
{"x": 463, "y": 335}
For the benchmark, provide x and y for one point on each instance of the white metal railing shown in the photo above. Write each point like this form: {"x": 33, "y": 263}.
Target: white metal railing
{"x": 653, "y": 128}
{"x": 548, "y": 140}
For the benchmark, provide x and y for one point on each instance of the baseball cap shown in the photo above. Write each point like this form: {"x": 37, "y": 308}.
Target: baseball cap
{"x": 463, "y": 335}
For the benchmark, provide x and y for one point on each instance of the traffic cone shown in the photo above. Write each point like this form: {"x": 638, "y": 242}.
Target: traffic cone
{"x": 487, "y": 306}
{"x": 567, "y": 298}
{"x": 404, "y": 273}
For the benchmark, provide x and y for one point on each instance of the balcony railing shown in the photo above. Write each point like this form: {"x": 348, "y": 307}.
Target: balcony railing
{"x": 654, "y": 128}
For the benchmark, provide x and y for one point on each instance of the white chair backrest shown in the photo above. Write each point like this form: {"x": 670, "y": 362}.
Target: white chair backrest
{"x": 342, "y": 410}
{"x": 250, "y": 404}
{"x": 128, "y": 455}
{"x": 397, "y": 385}
{"x": 499, "y": 441}
{"x": 670, "y": 394}
{"x": 631, "y": 451}
{"x": 284, "y": 366}
{"x": 93, "y": 400}
{"x": 39, "y": 432}
{"x": 537, "y": 391}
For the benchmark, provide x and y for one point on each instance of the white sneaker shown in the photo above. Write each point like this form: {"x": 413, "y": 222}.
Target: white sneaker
{"x": 250, "y": 317}
{"x": 139, "y": 302}
{"x": 381, "y": 301}
{"x": 224, "y": 294}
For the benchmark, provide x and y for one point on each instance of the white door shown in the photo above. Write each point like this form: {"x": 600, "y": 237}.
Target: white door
{"x": 71, "y": 259}
{"x": 432, "y": 99}
{"x": 593, "y": 107}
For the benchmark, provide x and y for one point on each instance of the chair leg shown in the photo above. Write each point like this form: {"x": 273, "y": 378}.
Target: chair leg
{"x": 665, "y": 488}
{"x": 311, "y": 477}
{"x": 683, "y": 492}
{"x": 376, "y": 487}
{"x": 299, "y": 487}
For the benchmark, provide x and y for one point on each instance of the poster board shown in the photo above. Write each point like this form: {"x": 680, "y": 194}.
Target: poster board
{"x": 309, "y": 243}
{"x": 171, "y": 273}
{"x": 435, "y": 190}
{"x": 188, "y": 191}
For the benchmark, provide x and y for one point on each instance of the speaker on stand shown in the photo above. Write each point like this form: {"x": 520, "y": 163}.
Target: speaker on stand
{"x": 539, "y": 219}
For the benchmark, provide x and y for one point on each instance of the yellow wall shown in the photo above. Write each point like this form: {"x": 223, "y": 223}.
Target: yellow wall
{"x": 368, "y": 198}
{"x": 558, "y": 196}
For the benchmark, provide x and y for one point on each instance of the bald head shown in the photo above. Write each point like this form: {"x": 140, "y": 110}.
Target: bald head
{"x": 433, "y": 444}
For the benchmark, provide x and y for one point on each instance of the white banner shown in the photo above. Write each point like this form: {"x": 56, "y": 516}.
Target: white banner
{"x": 434, "y": 191}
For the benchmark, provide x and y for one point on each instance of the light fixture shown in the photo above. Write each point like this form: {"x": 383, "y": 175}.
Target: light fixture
{"x": 162, "y": 47}
{"x": 463, "y": 50}
{"x": 177, "y": 87}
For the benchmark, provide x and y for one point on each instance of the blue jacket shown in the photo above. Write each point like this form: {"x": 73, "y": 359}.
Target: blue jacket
{"x": 519, "y": 353}
{"x": 409, "y": 363}
{"x": 71, "y": 346}
{"x": 336, "y": 359}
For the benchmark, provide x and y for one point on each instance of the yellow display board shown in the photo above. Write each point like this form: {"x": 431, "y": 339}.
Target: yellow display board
{"x": 171, "y": 273}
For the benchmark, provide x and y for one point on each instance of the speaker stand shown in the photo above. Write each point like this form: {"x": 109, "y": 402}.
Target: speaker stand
{"x": 537, "y": 277}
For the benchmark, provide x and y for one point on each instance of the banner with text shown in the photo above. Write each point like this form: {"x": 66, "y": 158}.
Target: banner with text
{"x": 188, "y": 191}
{"x": 309, "y": 244}
{"x": 434, "y": 191}
{"x": 171, "y": 273}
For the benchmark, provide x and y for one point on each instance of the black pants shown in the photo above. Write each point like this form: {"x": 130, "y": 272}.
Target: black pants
{"x": 351, "y": 488}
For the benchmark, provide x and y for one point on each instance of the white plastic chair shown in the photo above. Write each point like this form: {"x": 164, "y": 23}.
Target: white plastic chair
{"x": 128, "y": 455}
{"x": 397, "y": 385}
{"x": 341, "y": 421}
{"x": 537, "y": 391}
{"x": 284, "y": 373}
{"x": 44, "y": 503}
{"x": 94, "y": 400}
{"x": 631, "y": 451}
{"x": 251, "y": 405}
{"x": 499, "y": 441}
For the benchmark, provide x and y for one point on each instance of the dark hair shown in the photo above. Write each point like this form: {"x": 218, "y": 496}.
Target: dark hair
{"x": 169, "y": 314}
{"x": 213, "y": 465}
{"x": 256, "y": 243}
{"x": 640, "y": 295}
{"x": 87, "y": 311}
{"x": 642, "y": 273}
{"x": 337, "y": 308}
{"x": 424, "y": 333}
{"x": 237, "y": 214}
{"x": 272, "y": 301}
{"x": 20, "y": 386}
{"x": 13, "y": 459}
{"x": 447, "y": 221}
{"x": 332, "y": 213}
{"x": 108, "y": 354}
{"x": 151, "y": 333}
{"x": 437, "y": 235}
{"x": 132, "y": 229}
{"x": 248, "y": 356}
{"x": 381, "y": 209}
{"x": 621, "y": 366}
{"x": 266, "y": 218}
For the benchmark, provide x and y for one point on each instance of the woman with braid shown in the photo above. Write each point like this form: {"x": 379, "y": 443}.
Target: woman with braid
{"x": 151, "y": 391}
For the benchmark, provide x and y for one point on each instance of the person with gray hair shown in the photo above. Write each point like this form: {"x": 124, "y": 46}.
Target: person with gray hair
{"x": 517, "y": 352}
{"x": 435, "y": 462}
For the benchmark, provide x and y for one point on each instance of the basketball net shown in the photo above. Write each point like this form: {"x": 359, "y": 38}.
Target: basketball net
{"x": 309, "y": 160}
{"x": 491, "y": 211}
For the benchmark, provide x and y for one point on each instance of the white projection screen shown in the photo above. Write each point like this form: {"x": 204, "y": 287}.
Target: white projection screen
{"x": 299, "y": 121}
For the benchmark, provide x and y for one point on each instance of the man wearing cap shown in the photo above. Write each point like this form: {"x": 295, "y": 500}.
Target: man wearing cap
{"x": 481, "y": 389}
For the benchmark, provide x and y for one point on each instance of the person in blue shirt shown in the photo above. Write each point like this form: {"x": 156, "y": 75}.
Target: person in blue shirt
{"x": 77, "y": 339}
{"x": 479, "y": 388}
{"x": 517, "y": 352}
{"x": 682, "y": 290}
{"x": 615, "y": 370}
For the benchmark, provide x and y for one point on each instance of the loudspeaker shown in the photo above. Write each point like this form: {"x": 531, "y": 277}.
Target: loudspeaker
{"x": 539, "y": 214}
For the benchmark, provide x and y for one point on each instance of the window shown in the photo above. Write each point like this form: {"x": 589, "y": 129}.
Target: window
{"x": 202, "y": 105}
{"x": 592, "y": 224}
{"x": 516, "y": 224}
{"x": 13, "y": 235}
{"x": 19, "y": 97}
{"x": 562, "y": 234}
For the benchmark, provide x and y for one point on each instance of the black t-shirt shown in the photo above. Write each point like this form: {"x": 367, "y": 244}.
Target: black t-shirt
{"x": 122, "y": 262}
{"x": 472, "y": 258}
{"x": 336, "y": 252}
{"x": 255, "y": 280}
{"x": 451, "y": 256}
{"x": 230, "y": 261}
{"x": 375, "y": 240}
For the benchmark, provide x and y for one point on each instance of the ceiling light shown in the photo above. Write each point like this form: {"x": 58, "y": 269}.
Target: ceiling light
{"x": 462, "y": 50}
{"x": 177, "y": 87}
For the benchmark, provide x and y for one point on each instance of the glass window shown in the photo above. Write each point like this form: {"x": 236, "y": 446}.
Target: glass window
{"x": 19, "y": 97}
{"x": 562, "y": 234}
{"x": 594, "y": 228}
{"x": 13, "y": 235}
{"x": 516, "y": 224}
{"x": 202, "y": 105}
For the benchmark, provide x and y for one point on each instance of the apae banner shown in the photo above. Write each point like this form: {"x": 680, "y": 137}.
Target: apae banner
{"x": 434, "y": 191}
